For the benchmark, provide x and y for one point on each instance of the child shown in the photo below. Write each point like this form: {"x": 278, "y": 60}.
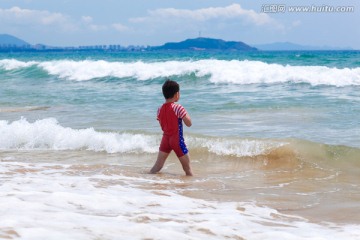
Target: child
{"x": 170, "y": 116}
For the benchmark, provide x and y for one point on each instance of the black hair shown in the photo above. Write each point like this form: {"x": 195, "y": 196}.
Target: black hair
{"x": 170, "y": 88}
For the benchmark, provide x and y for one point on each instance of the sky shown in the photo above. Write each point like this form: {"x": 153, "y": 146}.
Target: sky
{"x": 155, "y": 22}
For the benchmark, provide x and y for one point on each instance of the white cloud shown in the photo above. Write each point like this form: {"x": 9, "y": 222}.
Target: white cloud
{"x": 16, "y": 15}
{"x": 234, "y": 11}
{"x": 89, "y": 25}
{"x": 86, "y": 19}
{"x": 227, "y": 22}
{"x": 54, "y": 18}
{"x": 120, "y": 27}
{"x": 97, "y": 28}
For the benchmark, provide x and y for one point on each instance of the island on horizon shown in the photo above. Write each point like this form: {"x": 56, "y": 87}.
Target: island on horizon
{"x": 202, "y": 43}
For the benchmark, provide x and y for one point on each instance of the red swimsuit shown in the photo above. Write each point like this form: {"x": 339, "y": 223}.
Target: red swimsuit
{"x": 170, "y": 116}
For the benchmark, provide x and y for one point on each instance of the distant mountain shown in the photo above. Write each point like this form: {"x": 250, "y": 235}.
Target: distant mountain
{"x": 205, "y": 44}
{"x": 6, "y": 39}
{"x": 288, "y": 46}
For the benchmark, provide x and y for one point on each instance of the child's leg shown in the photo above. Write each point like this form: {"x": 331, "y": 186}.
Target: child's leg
{"x": 162, "y": 156}
{"x": 185, "y": 162}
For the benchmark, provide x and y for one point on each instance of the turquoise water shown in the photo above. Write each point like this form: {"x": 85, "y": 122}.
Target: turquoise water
{"x": 303, "y": 95}
{"x": 274, "y": 146}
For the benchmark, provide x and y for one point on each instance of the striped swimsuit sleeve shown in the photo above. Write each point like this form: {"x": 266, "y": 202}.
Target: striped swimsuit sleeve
{"x": 179, "y": 110}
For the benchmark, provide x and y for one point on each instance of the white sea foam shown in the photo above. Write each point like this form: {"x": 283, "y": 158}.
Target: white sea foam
{"x": 43, "y": 201}
{"x": 235, "y": 147}
{"x": 12, "y": 64}
{"x": 49, "y": 134}
{"x": 218, "y": 71}
{"x": 86, "y": 70}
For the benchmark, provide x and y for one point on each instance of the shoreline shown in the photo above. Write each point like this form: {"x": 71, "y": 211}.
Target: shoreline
{"x": 299, "y": 190}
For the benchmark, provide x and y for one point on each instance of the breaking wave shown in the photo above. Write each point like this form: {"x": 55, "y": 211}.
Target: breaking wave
{"x": 48, "y": 134}
{"x": 217, "y": 71}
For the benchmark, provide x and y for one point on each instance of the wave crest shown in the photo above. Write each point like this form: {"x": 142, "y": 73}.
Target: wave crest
{"x": 218, "y": 71}
{"x": 48, "y": 134}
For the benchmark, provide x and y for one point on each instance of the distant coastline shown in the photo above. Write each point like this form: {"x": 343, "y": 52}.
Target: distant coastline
{"x": 9, "y": 43}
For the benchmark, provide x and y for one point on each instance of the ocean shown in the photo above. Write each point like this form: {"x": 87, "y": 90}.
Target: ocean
{"x": 274, "y": 146}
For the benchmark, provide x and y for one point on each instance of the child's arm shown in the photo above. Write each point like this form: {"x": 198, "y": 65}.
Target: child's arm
{"x": 187, "y": 120}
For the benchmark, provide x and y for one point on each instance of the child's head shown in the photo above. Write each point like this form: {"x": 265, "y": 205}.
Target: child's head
{"x": 170, "y": 88}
